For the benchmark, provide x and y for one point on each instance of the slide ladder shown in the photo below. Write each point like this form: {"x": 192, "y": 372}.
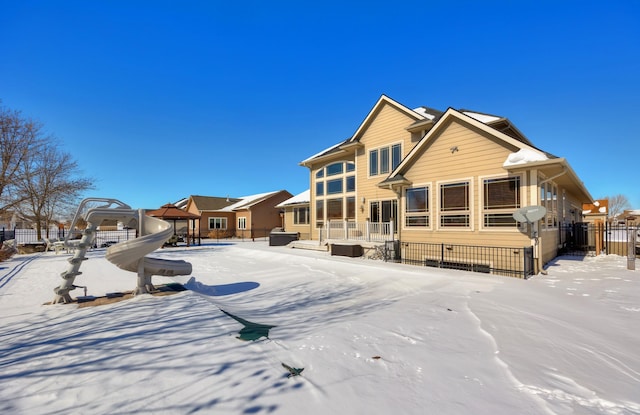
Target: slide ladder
{"x": 128, "y": 255}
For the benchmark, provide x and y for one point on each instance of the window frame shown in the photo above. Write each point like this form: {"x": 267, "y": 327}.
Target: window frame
{"x": 457, "y": 214}
{"x": 500, "y": 217}
{"x": 548, "y": 192}
{"x": 297, "y": 215}
{"x": 413, "y": 214}
{"x": 215, "y": 219}
{"x": 387, "y": 158}
{"x": 339, "y": 184}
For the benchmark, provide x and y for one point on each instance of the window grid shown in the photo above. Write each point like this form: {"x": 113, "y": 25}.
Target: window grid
{"x": 454, "y": 205}
{"x": 332, "y": 181}
{"x": 417, "y": 207}
{"x": 501, "y": 196}
{"x": 217, "y": 223}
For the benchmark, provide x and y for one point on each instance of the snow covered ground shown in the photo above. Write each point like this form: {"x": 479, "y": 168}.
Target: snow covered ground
{"x": 372, "y": 337}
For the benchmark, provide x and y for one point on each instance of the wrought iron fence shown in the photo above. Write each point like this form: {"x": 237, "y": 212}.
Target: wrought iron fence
{"x": 6, "y": 235}
{"x": 242, "y": 234}
{"x": 595, "y": 238}
{"x": 512, "y": 262}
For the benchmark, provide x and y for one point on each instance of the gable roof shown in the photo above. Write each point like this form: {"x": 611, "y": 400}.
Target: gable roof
{"x": 440, "y": 125}
{"x": 420, "y": 114}
{"x": 527, "y": 157}
{"x": 211, "y": 203}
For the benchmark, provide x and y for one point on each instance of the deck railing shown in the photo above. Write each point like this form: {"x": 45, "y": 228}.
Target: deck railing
{"x": 358, "y": 231}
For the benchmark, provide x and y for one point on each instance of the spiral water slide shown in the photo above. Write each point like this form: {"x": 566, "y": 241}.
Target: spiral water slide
{"x": 129, "y": 255}
{"x": 132, "y": 255}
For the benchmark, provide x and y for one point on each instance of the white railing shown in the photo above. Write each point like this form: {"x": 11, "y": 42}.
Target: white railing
{"x": 358, "y": 231}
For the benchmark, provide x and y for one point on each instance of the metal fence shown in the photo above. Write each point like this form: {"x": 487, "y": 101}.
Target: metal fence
{"x": 242, "y": 234}
{"x": 104, "y": 238}
{"x": 599, "y": 238}
{"x": 512, "y": 262}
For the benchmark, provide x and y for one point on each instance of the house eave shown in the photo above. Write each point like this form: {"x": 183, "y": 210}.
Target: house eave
{"x": 394, "y": 183}
{"x": 419, "y": 126}
{"x": 310, "y": 162}
{"x": 558, "y": 170}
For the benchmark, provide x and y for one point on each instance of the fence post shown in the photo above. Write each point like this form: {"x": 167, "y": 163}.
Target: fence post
{"x": 391, "y": 230}
{"x": 367, "y": 231}
{"x": 345, "y": 227}
{"x": 631, "y": 246}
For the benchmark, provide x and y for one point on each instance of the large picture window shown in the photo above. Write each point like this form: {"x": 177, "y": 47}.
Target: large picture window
{"x": 501, "y": 196}
{"x": 217, "y": 223}
{"x": 335, "y": 192}
{"x": 417, "y": 207}
{"x": 454, "y": 205}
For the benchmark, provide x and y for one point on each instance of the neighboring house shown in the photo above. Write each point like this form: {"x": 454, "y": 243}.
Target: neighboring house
{"x": 246, "y": 217}
{"x": 8, "y": 220}
{"x": 296, "y": 214}
{"x": 453, "y": 177}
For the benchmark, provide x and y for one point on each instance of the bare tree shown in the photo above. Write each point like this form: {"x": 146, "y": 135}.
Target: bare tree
{"x": 617, "y": 204}
{"x": 49, "y": 180}
{"x": 19, "y": 137}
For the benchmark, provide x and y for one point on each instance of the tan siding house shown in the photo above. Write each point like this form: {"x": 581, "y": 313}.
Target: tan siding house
{"x": 453, "y": 177}
{"x": 296, "y": 216}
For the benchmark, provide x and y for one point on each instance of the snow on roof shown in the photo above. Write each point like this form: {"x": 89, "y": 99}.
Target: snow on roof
{"x": 424, "y": 111}
{"x": 483, "y": 118}
{"x": 523, "y": 156}
{"x": 303, "y": 197}
{"x": 326, "y": 150}
{"x": 246, "y": 201}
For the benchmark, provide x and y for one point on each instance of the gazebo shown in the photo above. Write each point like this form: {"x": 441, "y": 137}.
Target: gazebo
{"x": 171, "y": 212}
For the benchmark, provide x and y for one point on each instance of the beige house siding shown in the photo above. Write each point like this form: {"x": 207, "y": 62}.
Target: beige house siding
{"x": 388, "y": 128}
{"x": 457, "y": 148}
{"x": 304, "y": 230}
{"x": 461, "y": 154}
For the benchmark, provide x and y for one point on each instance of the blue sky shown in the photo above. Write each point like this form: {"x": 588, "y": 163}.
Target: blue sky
{"x": 159, "y": 100}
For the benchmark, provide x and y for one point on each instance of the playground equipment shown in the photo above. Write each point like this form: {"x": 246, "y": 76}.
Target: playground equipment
{"x": 128, "y": 255}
